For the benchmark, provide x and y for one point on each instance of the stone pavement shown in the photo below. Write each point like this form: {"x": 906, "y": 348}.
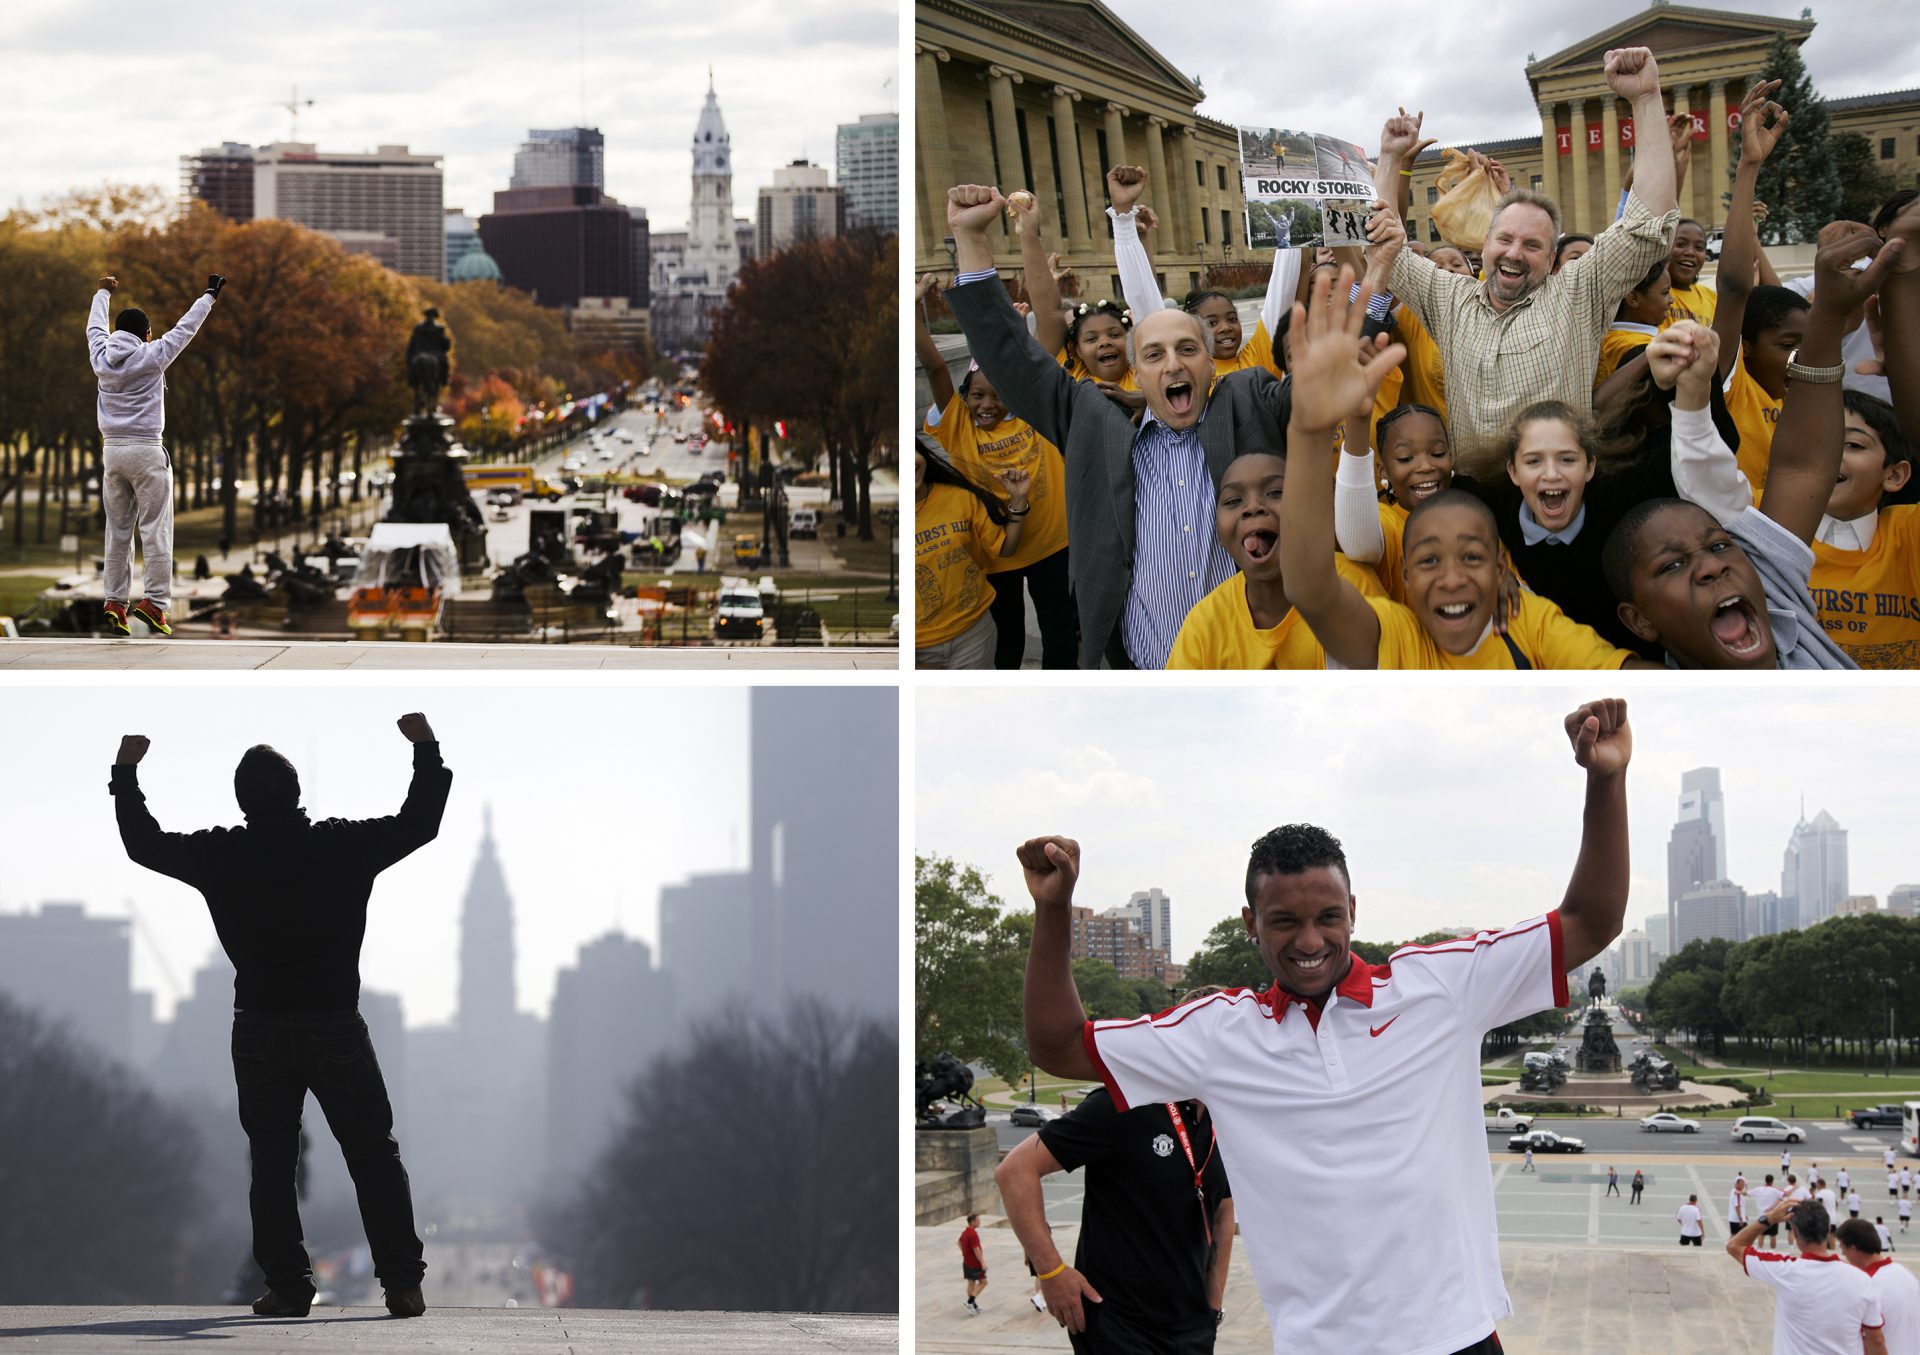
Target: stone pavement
{"x": 511, "y": 1331}
{"x": 147, "y": 655}
{"x": 1568, "y": 1300}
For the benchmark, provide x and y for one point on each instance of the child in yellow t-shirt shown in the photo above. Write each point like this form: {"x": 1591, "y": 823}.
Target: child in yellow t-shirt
{"x": 1095, "y": 349}
{"x": 958, "y": 529}
{"x": 1635, "y": 322}
{"x": 1692, "y": 299}
{"x": 1415, "y": 463}
{"x": 1771, "y": 328}
{"x": 1866, "y": 552}
{"x": 1247, "y": 622}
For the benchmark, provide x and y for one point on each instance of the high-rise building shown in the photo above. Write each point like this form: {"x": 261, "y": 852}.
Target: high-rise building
{"x": 562, "y": 157}
{"x": 867, "y": 165}
{"x": 561, "y": 244}
{"x": 1700, "y": 799}
{"x": 703, "y": 942}
{"x": 1857, "y": 905}
{"x": 640, "y": 266}
{"x": 486, "y": 947}
{"x": 387, "y": 203}
{"x": 800, "y": 205}
{"x": 683, "y": 302}
{"x": 1636, "y": 960}
{"x": 1762, "y": 914}
{"x": 1111, "y": 937}
{"x": 72, "y": 969}
{"x": 1690, "y": 853}
{"x": 1902, "y": 900}
{"x": 1813, "y": 874}
{"x": 1712, "y": 910}
{"x": 612, "y": 1013}
{"x": 222, "y": 177}
{"x": 1657, "y": 935}
{"x": 1151, "y": 912}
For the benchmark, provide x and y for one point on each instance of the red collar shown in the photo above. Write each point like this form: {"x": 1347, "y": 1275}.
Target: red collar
{"x": 1872, "y": 1266}
{"x": 1357, "y": 986}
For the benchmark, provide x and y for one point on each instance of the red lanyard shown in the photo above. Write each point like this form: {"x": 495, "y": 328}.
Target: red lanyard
{"x": 1199, "y": 1190}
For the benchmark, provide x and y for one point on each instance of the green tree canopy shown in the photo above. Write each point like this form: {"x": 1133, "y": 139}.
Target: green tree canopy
{"x": 969, "y": 959}
{"x": 1799, "y": 183}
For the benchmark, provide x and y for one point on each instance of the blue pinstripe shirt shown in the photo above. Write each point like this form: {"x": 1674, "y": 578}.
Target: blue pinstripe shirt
{"x": 1177, "y": 559}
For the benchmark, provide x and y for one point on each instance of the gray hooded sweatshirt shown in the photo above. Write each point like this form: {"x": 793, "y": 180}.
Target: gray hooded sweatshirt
{"x": 133, "y": 372}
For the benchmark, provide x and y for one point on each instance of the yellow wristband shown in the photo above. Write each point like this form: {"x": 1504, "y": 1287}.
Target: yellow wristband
{"x": 1406, "y": 173}
{"x": 1055, "y": 1271}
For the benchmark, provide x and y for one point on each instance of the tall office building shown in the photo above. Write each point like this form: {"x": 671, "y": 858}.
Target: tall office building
{"x": 1636, "y": 960}
{"x": 561, "y": 157}
{"x": 612, "y": 1013}
{"x": 1700, "y": 799}
{"x": 486, "y": 947}
{"x": 1151, "y": 912}
{"x": 386, "y": 203}
{"x": 561, "y": 244}
{"x": 222, "y": 177}
{"x": 800, "y": 205}
{"x": 684, "y": 300}
{"x": 1712, "y": 910}
{"x": 72, "y": 969}
{"x": 703, "y": 941}
{"x": 1901, "y": 900}
{"x": 1762, "y": 913}
{"x": 1657, "y": 935}
{"x": 1111, "y": 936}
{"x": 1813, "y": 874}
{"x": 867, "y": 166}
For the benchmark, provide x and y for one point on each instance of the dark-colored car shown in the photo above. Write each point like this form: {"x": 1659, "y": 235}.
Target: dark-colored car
{"x": 1033, "y": 1116}
{"x": 1545, "y": 1141}
{"x": 1877, "y": 1117}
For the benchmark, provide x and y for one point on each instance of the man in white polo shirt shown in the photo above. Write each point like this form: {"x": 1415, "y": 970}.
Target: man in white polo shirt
{"x": 1821, "y": 1305}
{"x": 1341, "y": 1069}
{"x": 1895, "y": 1286}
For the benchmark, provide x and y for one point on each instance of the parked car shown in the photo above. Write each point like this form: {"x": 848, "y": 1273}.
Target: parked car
{"x": 1033, "y": 1116}
{"x": 1545, "y": 1141}
{"x": 1661, "y": 1122}
{"x": 1877, "y": 1117}
{"x": 1751, "y": 1127}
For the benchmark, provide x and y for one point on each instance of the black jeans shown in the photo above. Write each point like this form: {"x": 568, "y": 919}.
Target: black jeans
{"x": 1110, "y": 1332}
{"x": 277, "y": 1059}
{"x": 1052, "y": 607}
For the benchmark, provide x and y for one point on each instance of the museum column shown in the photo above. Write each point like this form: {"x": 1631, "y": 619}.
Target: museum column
{"x": 1073, "y": 175}
{"x": 1006, "y": 140}
{"x": 1549, "y": 155}
{"x": 931, "y": 115}
{"x": 1582, "y": 218}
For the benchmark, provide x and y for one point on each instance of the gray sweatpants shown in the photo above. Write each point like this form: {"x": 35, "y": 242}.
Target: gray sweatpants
{"x": 137, "y": 491}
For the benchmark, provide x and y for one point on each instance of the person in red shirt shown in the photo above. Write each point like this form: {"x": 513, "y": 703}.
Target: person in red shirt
{"x": 973, "y": 1261}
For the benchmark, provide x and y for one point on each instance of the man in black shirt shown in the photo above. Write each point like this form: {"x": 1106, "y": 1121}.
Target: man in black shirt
{"x": 1156, "y": 1226}
{"x": 289, "y": 902}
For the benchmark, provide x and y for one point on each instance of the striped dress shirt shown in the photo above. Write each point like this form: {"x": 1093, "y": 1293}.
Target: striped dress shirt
{"x": 1177, "y": 558}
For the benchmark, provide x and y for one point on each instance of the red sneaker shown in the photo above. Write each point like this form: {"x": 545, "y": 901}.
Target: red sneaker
{"x": 155, "y": 617}
{"x": 116, "y": 617}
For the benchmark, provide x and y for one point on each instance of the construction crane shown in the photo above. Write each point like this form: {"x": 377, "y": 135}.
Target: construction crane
{"x": 293, "y": 103}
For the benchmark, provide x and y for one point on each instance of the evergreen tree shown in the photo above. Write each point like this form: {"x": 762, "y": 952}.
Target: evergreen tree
{"x": 1800, "y": 183}
{"x": 1863, "y": 184}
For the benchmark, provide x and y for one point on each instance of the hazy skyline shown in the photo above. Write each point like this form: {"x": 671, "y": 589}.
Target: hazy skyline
{"x": 1457, "y": 805}
{"x": 599, "y": 796}
{"x": 98, "y": 92}
{"x": 1464, "y": 68}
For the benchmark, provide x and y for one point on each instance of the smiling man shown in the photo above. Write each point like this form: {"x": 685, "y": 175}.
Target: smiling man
{"x": 1342, "y": 1071}
{"x": 1140, "y": 500}
{"x": 1528, "y": 333}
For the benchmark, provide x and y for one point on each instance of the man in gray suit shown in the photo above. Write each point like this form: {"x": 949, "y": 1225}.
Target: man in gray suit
{"x": 1140, "y": 501}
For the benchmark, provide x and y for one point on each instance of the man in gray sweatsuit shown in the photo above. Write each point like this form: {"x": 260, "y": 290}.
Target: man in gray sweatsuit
{"x": 136, "y": 485}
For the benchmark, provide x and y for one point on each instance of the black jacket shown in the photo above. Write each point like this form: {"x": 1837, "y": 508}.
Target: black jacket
{"x": 289, "y": 897}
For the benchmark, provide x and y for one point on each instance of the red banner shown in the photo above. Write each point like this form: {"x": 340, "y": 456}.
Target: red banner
{"x": 1564, "y": 135}
{"x": 1699, "y": 127}
{"x": 1626, "y": 133}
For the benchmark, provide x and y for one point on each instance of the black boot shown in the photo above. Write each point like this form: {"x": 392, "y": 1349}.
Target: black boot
{"x": 406, "y": 1302}
{"x": 272, "y": 1304}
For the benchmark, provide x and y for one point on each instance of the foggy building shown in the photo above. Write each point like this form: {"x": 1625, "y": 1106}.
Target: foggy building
{"x": 1813, "y": 873}
{"x": 73, "y": 969}
{"x": 1713, "y": 910}
{"x": 703, "y": 931}
{"x": 612, "y": 1013}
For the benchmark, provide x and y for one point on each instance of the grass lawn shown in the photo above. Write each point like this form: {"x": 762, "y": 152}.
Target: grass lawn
{"x": 194, "y": 533}
{"x": 1047, "y": 1088}
{"x": 19, "y": 592}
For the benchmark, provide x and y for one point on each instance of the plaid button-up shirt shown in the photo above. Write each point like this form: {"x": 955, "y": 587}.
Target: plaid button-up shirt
{"x": 1544, "y": 348}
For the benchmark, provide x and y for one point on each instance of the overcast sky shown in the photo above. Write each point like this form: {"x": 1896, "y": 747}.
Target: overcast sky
{"x": 599, "y": 794}
{"x": 100, "y": 91}
{"x": 1342, "y": 69}
{"x": 1458, "y": 805}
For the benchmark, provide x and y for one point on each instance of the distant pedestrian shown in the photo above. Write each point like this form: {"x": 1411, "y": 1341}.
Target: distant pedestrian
{"x": 1765, "y": 1197}
{"x": 1906, "y": 1214}
{"x": 1893, "y": 1185}
{"x": 1526, "y": 1160}
{"x": 1639, "y": 1184}
{"x": 1786, "y": 1160}
{"x": 973, "y": 1262}
{"x": 1906, "y": 1180}
{"x": 1039, "y": 1303}
{"x": 1689, "y": 1218}
{"x": 1829, "y": 1201}
{"x": 1737, "y": 1203}
{"x": 1842, "y": 1180}
{"x": 1886, "y": 1237}
{"x": 1613, "y": 1181}
{"x": 1853, "y": 1204}
{"x": 1813, "y": 1176}
{"x": 1795, "y": 1191}
{"x": 1895, "y": 1286}
{"x": 1887, "y": 1159}
{"x": 1816, "y": 1307}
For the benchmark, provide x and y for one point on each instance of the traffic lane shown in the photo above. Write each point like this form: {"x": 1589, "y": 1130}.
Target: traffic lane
{"x": 1824, "y": 1140}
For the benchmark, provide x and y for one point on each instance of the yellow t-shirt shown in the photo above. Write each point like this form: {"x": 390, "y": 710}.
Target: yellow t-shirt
{"x": 1623, "y": 339}
{"x": 1255, "y": 351}
{"x": 1869, "y": 600}
{"x": 953, "y": 540}
{"x": 1426, "y": 379}
{"x": 979, "y": 452}
{"x": 1542, "y": 632}
{"x": 1219, "y": 631}
{"x": 1691, "y": 303}
{"x": 1754, "y": 413}
{"x": 1393, "y": 530}
{"x": 1077, "y": 369}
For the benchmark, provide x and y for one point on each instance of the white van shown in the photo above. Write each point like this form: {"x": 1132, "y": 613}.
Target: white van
{"x": 804, "y": 522}
{"x": 1751, "y": 1127}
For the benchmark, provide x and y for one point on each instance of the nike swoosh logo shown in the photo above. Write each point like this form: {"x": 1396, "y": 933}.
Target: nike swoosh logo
{"x": 1375, "y": 1030}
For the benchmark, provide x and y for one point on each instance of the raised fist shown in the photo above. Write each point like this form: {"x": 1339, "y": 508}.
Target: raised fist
{"x": 1602, "y": 741}
{"x": 973, "y": 207}
{"x": 214, "y": 283}
{"x": 133, "y": 747}
{"x": 1632, "y": 72}
{"x": 416, "y": 728}
{"x": 1052, "y": 865}
{"x": 1125, "y": 184}
{"x": 107, "y": 284}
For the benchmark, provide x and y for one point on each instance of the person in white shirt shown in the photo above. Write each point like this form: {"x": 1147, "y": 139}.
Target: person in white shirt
{"x": 1689, "y": 1217}
{"x": 1828, "y": 1201}
{"x": 1853, "y": 1204}
{"x": 1887, "y": 1159}
{"x": 1794, "y": 1191}
{"x": 1886, "y": 1237}
{"x": 1895, "y": 1287}
{"x": 1906, "y": 1214}
{"x": 1813, "y": 1176}
{"x": 1906, "y": 1180}
{"x": 1786, "y": 1159}
{"x": 1360, "y": 1063}
{"x": 1822, "y": 1305}
{"x": 1737, "y": 1203}
{"x": 1764, "y": 1197}
{"x": 1893, "y": 1185}
{"x": 1842, "y": 1180}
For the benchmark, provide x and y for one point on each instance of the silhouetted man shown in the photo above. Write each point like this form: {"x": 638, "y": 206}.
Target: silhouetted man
{"x": 289, "y": 901}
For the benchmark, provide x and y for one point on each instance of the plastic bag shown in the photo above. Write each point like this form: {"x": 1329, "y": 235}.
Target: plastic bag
{"x": 1465, "y": 206}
